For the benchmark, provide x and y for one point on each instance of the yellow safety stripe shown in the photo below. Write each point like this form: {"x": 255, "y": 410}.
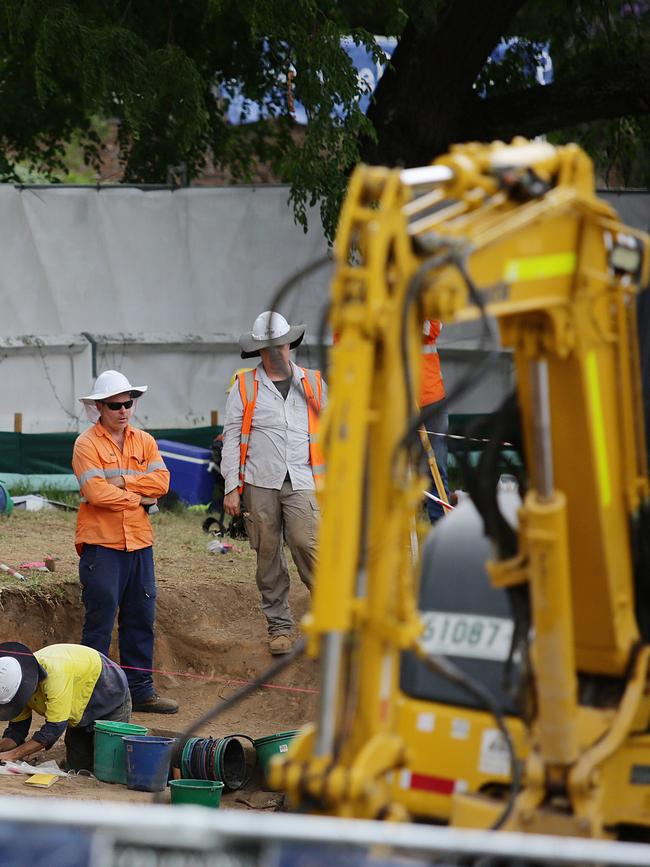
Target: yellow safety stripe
{"x": 539, "y": 267}
{"x": 598, "y": 427}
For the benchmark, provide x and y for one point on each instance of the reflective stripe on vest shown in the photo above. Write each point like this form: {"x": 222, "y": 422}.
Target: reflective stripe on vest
{"x": 313, "y": 385}
{"x": 248, "y": 386}
{"x": 313, "y": 388}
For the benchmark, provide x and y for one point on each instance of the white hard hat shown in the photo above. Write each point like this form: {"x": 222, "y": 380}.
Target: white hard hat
{"x": 11, "y": 675}
{"x": 270, "y": 329}
{"x": 112, "y": 382}
{"x": 269, "y": 326}
{"x": 19, "y": 677}
{"x": 107, "y": 384}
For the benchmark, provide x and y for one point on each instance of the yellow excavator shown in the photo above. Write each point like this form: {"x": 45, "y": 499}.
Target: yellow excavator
{"x": 493, "y": 674}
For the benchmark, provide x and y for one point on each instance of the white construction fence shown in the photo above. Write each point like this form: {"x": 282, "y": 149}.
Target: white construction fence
{"x": 159, "y": 284}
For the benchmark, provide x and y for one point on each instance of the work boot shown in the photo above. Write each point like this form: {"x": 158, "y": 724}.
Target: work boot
{"x": 279, "y": 644}
{"x": 155, "y": 704}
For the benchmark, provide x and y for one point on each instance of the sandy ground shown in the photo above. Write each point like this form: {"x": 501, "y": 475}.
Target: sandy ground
{"x": 211, "y": 636}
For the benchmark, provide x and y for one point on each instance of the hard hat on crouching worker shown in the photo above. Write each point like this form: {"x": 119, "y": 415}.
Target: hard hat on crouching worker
{"x": 270, "y": 329}
{"x": 108, "y": 384}
{"x": 20, "y": 673}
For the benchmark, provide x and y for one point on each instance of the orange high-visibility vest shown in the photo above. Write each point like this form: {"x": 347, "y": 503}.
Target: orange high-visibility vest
{"x": 432, "y": 387}
{"x": 312, "y": 384}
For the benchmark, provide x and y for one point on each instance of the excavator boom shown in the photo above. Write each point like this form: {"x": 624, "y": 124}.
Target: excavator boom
{"x": 513, "y": 234}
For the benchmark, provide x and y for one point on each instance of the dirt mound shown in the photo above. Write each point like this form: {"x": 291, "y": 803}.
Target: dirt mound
{"x": 41, "y": 616}
{"x": 210, "y": 632}
{"x": 210, "y": 638}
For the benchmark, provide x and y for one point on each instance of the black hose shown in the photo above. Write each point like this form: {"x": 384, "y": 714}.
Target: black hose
{"x": 323, "y": 322}
{"x": 482, "y": 481}
{"x": 442, "y": 666}
{"x": 290, "y": 283}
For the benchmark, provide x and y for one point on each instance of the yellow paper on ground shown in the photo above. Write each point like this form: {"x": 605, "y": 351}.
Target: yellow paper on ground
{"x": 44, "y": 781}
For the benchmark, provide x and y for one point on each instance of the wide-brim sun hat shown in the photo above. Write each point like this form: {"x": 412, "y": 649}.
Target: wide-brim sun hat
{"x": 110, "y": 383}
{"x": 270, "y": 329}
{"x": 30, "y": 672}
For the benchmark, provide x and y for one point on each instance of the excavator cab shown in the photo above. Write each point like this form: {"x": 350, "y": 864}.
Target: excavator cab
{"x": 453, "y": 743}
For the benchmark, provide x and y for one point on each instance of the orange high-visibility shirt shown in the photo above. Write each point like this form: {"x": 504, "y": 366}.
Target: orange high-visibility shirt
{"x": 432, "y": 387}
{"x": 109, "y": 515}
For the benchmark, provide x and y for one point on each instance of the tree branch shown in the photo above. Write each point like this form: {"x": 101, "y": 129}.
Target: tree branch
{"x": 619, "y": 89}
{"x": 414, "y": 113}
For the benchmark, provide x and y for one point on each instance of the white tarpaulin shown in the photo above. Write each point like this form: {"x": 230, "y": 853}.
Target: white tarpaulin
{"x": 160, "y": 284}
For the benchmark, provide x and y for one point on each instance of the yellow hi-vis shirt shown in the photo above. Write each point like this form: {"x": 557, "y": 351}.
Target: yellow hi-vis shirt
{"x": 62, "y": 696}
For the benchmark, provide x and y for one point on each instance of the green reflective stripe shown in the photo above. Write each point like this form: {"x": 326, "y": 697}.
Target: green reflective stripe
{"x": 539, "y": 267}
{"x": 244, "y": 438}
{"x": 241, "y": 468}
{"x": 429, "y": 349}
{"x": 83, "y": 500}
{"x": 318, "y": 469}
{"x": 90, "y": 474}
{"x": 156, "y": 465}
{"x": 313, "y": 438}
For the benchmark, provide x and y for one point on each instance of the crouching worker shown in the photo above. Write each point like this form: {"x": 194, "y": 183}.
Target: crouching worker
{"x": 71, "y": 686}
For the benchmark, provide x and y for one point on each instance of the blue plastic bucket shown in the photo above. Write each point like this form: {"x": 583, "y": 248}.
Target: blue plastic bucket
{"x": 147, "y": 762}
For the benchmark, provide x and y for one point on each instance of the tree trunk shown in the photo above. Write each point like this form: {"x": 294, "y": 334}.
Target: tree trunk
{"x": 414, "y": 117}
{"x": 613, "y": 91}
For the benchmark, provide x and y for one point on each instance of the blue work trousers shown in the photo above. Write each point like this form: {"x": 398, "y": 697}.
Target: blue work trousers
{"x": 438, "y": 424}
{"x": 121, "y": 581}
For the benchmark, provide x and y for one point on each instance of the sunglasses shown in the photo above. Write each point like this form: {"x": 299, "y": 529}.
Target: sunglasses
{"x": 115, "y": 404}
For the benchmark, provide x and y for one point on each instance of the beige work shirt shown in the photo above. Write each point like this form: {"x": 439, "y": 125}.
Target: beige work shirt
{"x": 279, "y": 437}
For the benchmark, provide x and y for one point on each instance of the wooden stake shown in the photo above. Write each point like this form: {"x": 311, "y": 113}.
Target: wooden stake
{"x": 214, "y": 417}
{"x": 433, "y": 466}
{"x": 18, "y": 422}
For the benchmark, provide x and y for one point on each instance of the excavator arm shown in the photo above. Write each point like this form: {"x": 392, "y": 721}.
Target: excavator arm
{"x": 514, "y": 233}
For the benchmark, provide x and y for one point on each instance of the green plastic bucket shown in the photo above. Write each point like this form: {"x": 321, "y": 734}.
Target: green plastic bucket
{"x": 6, "y": 503}
{"x": 205, "y": 793}
{"x": 110, "y": 756}
{"x": 272, "y": 745}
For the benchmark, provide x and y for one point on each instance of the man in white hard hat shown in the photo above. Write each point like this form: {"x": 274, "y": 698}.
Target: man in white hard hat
{"x": 271, "y": 458}
{"x": 121, "y": 474}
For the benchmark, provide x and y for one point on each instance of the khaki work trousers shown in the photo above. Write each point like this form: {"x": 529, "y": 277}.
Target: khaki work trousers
{"x": 271, "y": 515}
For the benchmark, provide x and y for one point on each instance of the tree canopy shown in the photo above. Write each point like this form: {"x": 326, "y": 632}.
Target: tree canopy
{"x": 169, "y": 70}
